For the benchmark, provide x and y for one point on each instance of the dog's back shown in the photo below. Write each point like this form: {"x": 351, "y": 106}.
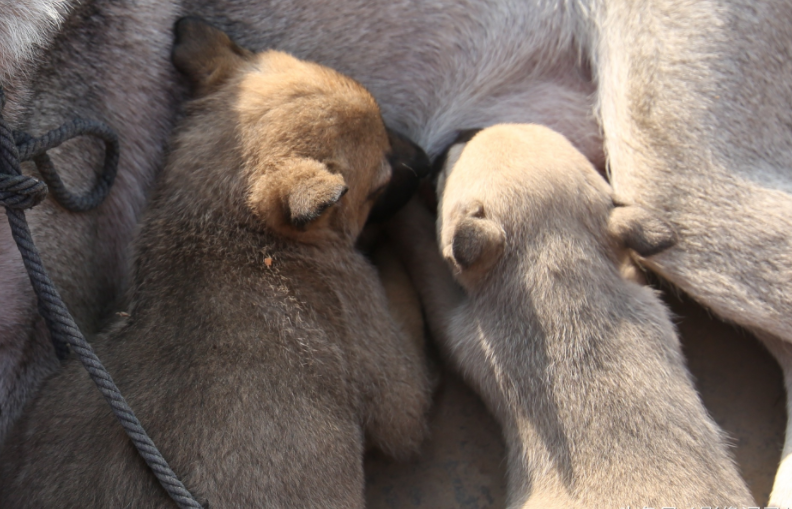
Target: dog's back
{"x": 248, "y": 390}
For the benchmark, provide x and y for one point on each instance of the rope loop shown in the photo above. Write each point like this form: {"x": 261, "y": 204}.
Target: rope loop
{"x": 35, "y": 149}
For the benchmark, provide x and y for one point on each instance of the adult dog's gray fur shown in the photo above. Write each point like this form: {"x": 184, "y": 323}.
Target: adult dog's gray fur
{"x": 581, "y": 366}
{"x": 691, "y": 100}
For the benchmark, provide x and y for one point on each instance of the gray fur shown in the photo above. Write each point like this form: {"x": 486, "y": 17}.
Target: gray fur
{"x": 478, "y": 243}
{"x": 582, "y": 367}
{"x": 641, "y": 231}
{"x": 26, "y": 28}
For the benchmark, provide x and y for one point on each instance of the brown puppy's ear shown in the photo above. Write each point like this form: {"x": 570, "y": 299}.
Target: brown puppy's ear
{"x": 640, "y": 230}
{"x": 205, "y": 54}
{"x": 477, "y": 242}
{"x": 313, "y": 190}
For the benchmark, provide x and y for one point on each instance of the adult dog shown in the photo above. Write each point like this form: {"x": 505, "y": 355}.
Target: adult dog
{"x": 689, "y": 100}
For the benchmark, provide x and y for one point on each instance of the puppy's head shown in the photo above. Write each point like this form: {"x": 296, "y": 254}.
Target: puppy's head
{"x": 315, "y": 154}
{"x": 512, "y": 184}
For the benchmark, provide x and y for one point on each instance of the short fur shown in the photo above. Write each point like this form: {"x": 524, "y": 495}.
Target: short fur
{"x": 692, "y": 127}
{"x": 582, "y": 367}
{"x": 259, "y": 352}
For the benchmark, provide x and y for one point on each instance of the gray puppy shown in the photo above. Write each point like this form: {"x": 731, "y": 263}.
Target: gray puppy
{"x": 259, "y": 352}
{"x": 581, "y": 366}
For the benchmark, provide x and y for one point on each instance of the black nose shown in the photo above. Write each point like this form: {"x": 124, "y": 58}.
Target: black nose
{"x": 410, "y": 164}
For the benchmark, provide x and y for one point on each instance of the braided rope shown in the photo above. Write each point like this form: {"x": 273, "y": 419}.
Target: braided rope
{"x": 18, "y": 192}
{"x": 21, "y": 191}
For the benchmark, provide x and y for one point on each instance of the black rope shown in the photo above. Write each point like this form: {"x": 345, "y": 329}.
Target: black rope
{"x": 19, "y": 192}
{"x": 36, "y": 149}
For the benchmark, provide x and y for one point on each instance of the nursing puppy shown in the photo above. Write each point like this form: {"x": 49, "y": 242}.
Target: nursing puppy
{"x": 259, "y": 352}
{"x": 581, "y": 366}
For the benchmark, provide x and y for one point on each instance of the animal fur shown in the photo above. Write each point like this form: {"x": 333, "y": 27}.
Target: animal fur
{"x": 259, "y": 352}
{"x": 689, "y": 99}
{"x": 26, "y": 27}
{"x": 582, "y": 367}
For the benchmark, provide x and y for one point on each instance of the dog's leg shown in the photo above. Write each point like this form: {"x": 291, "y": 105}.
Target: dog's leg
{"x": 699, "y": 132}
{"x": 399, "y": 389}
{"x": 695, "y": 106}
{"x": 413, "y": 232}
{"x": 396, "y": 421}
{"x": 393, "y": 361}
{"x": 403, "y": 301}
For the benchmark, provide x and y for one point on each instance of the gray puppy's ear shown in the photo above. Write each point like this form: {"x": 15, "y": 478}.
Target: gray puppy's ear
{"x": 640, "y": 230}
{"x": 205, "y": 54}
{"x": 478, "y": 242}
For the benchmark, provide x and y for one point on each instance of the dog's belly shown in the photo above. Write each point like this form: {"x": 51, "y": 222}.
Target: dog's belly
{"x": 438, "y": 68}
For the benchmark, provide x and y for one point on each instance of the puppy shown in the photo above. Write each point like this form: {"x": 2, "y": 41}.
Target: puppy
{"x": 259, "y": 352}
{"x": 581, "y": 366}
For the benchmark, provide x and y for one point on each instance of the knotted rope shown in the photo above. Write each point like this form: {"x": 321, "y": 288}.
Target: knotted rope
{"x": 19, "y": 192}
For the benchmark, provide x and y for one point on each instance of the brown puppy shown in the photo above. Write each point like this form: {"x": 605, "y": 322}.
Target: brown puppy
{"x": 259, "y": 352}
{"x": 581, "y": 366}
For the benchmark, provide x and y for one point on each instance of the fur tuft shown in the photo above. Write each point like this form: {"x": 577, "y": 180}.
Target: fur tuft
{"x": 26, "y": 27}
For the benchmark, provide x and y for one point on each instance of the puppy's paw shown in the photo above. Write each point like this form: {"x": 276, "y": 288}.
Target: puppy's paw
{"x": 640, "y": 230}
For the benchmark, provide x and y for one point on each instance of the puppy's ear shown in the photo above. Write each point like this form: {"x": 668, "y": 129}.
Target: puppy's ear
{"x": 409, "y": 164}
{"x": 640, "y": 230}
{"x": 205, "y": 54}
{"x": 312, "y": 189}
{"x": 477, "y": 242}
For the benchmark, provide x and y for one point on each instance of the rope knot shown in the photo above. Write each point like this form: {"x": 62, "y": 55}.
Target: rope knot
{"x": 21, "y": 191}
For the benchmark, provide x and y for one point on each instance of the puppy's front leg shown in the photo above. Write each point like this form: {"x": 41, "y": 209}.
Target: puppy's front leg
{"x": 398, "y": 394}
{"x": 412, "y": 231}
{"x": 403, "y": 301}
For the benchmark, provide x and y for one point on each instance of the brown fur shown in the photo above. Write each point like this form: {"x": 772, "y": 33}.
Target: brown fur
{"x": 403, "y": 301}
{"x": 582, "y": 367}
{"x": 259, "y": 352}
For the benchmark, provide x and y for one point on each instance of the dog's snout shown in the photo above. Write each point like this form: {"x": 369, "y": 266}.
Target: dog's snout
{"x": 409, "y": 164}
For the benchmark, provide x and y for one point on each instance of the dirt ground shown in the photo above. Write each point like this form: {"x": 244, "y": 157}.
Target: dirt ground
{"x": 462, "y": 465}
